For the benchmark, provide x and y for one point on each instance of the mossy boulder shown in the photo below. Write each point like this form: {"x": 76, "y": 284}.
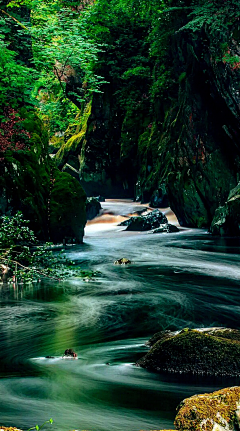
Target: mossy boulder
{"x": 213, "y": 351}
{"x": 226, "y": 220}
{"x": 67, "y": 213}
{"x": 217, "y": 411}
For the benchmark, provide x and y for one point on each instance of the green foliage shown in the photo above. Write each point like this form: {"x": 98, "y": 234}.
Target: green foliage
{"x": 23, "y": 260}
{"x": 59, "y": 77}
{"x": 16, "y": 79}
{"x": 38, "y": 428}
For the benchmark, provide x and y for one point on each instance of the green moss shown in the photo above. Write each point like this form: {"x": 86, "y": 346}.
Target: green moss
{"x": 56, "y": 141}
{"x": 74, "y": 135}
{"x": 202, "y": 412}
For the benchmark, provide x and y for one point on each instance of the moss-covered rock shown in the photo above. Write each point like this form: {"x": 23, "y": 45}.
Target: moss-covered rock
{"x": 226, "y": 220}
{"x": 74, "y": 137}
{"x": 218, "y": 411}
{"x": 207, "y": 352}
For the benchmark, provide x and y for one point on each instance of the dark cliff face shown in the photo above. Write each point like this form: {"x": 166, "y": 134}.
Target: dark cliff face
{"x": 200, "y": 143}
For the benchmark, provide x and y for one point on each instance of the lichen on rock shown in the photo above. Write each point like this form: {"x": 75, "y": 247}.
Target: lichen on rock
{"x": 217, "y": 411}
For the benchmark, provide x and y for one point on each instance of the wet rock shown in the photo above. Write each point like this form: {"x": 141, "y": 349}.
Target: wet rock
{"x": 93, "y": 207}
{"x": 69, "y": 353}
{"x": 213, "y": 351}
{"x": 145, "y": 222}
{"x": 226, "y": 220}
{"x": 166, "y": 228}
{"x": 122, "y": 261}
{"x": 216, "y": 411}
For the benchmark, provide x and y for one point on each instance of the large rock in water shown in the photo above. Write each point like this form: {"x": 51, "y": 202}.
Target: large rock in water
{"x": 213, "y": 351}
{"x": 226, "y": 220}
{"x": 145, "y": 222}
{"x": 218, "y": 411}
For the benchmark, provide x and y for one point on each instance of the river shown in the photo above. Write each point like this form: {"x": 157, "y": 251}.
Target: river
{"x": 184, "y": 279}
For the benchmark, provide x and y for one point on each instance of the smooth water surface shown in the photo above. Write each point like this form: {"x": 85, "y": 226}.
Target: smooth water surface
{"x": 185, "y": 279}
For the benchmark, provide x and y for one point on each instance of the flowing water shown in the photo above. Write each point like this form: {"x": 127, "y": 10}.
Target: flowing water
{"x": 185, "y": 279}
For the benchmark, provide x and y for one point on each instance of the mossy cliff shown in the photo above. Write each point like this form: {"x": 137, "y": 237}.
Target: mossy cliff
{"x": 53, "y": 201}
{"x": 207, "y": 352}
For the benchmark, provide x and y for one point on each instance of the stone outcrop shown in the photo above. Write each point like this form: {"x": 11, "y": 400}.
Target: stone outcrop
{"x": 226, "y": 220}
{"x": 206, "y": 352}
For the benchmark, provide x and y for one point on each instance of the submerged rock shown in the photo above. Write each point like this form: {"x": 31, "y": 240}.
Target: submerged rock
{"x": 122, "y": 261}
{"x": 226, "y": 220}
{"x": 145, "y": 222}
{"x": 217, "y": 411}
{"x": 213, "y": 351}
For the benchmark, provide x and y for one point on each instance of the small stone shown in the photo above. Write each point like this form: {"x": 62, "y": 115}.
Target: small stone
{"x": 122, "y": 261}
